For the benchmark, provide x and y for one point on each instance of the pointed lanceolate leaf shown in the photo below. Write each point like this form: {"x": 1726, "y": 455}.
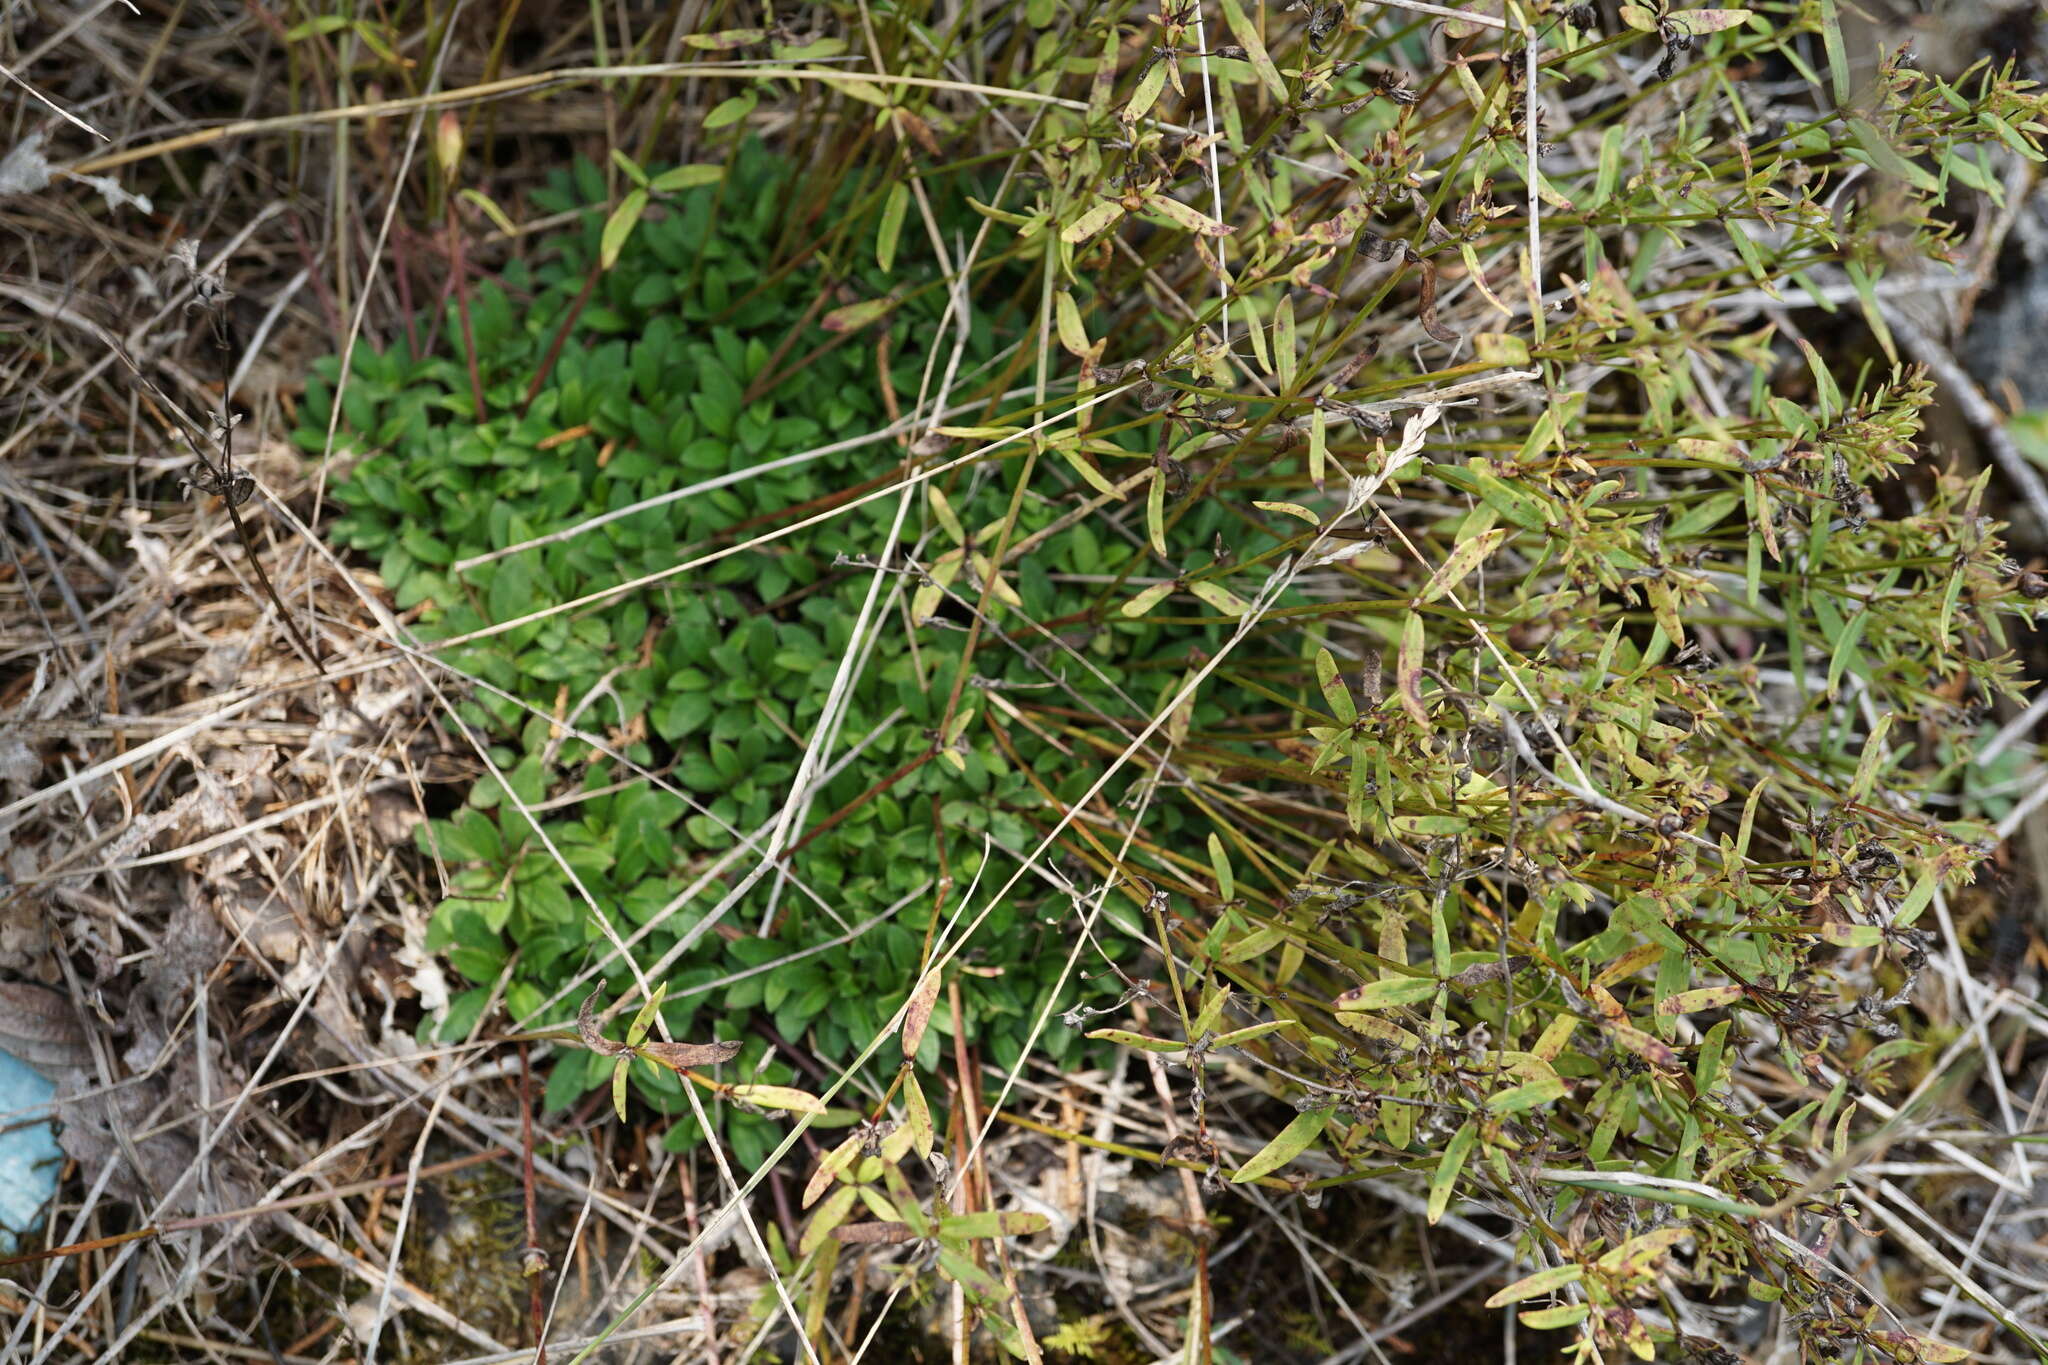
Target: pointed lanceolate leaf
{"x": 830, "y": 1165}
{"x": 1148, "y": 599}
{"x": 1390, "y": 991}
{"x": 855, "y": 316}
{"x": 1220, "y": 597}
{"x": 1705, "y": 998}
{"x": 1155, "y": 513}
{"x": 778, "y": 1097}
{"x": 1247, "y": 34}
{"x": 1408, "y": 669}
{"x": 1462, "y": 560}
{"x": 687, "y": 177}
{"x": 1446, "y": 1178}
{"x": 1092, "y": 222}
{"x": 1334, "y": 690}
{"x": 917, "y": 1115}
{"x": 619, "y": 227}
{"x": 1289, "y": 1143}
{"x": 990, "y": 1223}
{"x": 641, "y": 1021}
{"x": 918, "y": 1013}
{"x": 1194, "y": 220}
{"x": 1125, "y": 1038}
{"x": 1542, "y": 1282}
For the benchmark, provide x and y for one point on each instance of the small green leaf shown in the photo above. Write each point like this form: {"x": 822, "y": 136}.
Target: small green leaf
{"x": 891, "y": 228}
{"x": 1091, "y": 222}
{"x": 731, "y": 110}
{"x": 1292, "y": 509}
{"x": 636, "y": 1033}
{"x": 687, "y": 177}
{"x": 1247, "y": 34}
{"x": 1219, "y": 865}
{"x": 1220, "y": 597}
{"x": 1838, "y": 53}
{"x": 1387, "y": 992}
{"x": 991, "y": 1223}
{"x": 1542, "y": 1282}
{"x": 855, "y": 316}
{"x": 778, "y": 1097}
{"x": 1464, "y": 557}
{"x": 1335, "y": 692}
{"x": 1155, "y": 513}
{"x": 918, "y": 1115}
{"x": 619, "y": 227}
{"x": 1705, "y": 998}
{"x": 1289, "y": 1143}
{"x": 1446, "y": 1178}
{"x": 1408, "y": 669}
{"x": 1125, "y": 1038}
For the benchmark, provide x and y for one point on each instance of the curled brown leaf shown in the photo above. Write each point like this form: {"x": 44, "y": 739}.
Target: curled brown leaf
{"x": 1427, "y": 308}
{"x": 873, "y": 1234}
{"x": 676, "y": 1056}
{"x": 587, "y": 1030}
{"x": 1481, "y": 973}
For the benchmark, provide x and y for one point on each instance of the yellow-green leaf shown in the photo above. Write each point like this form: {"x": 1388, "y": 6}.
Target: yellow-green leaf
{"x": 1220, "y": 597}
{"x": 1335, "y": 692}
{"x": 890, "y": 229}
{"x": 687, "y": 177}
{"x": 1289, "y": 1143}
{"x": 855, "y": 316}
{"x": 1446, "y": 1178}
{"x": 1194, "y": 220}
{"x": 731, "y": 111}
{"x": 1464, "y": 557}
{"x": 1705, "y": 998}
{"x": 1408, "y": 669}
{"x": 1542, "y": 1282}
{"x": 1155, "y": 513}
{"x": 1248, "y": 37}
{"x": 1148, "y": 599}
{"x": 1386, "y": 992}
{"x": 1219, "y": 864}
{"x": 1092, "y": 221}
{"x": 1067, "y": 319}
{"x": 619, "y": 227}
{"x": 1292, "y": 509}
{"x": 917, "y": 1114}
{"x": 778, "y": 1097}
{"x": 1125, "y": 1038}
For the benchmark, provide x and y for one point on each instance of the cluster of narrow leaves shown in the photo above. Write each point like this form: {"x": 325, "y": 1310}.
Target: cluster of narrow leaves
{"x": 1581, "y": 864}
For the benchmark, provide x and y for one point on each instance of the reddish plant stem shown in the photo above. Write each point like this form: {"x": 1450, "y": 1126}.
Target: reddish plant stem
{"x": 536, "y": 1259}
{"x": 547, "y": 364}
{"x": 476, "y": 383}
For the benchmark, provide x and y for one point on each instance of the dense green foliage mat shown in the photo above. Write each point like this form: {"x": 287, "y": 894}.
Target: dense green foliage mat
{"x": 691, "y": 362}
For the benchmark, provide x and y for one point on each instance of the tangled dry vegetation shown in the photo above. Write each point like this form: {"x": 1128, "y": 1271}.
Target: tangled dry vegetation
{"x": 1197, "y": 718}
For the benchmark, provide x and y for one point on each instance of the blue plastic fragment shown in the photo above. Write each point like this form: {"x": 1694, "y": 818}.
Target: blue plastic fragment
{"x": 29, "y": 1156}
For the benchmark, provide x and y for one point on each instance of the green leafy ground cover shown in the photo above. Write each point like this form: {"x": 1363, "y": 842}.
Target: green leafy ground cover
{"x": 693, "y": 361}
